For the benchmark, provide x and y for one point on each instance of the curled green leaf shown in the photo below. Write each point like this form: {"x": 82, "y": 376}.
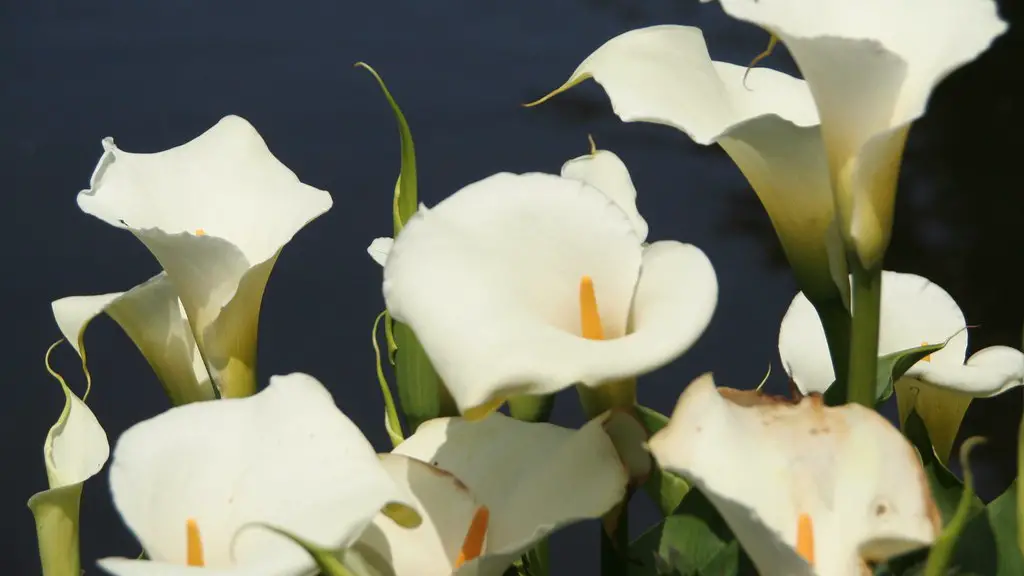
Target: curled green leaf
{"x": 945, "y": 544}
{"x": 391, "y": 421}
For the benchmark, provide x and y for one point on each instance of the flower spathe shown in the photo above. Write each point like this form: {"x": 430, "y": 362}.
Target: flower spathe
{"x": 200, "y": 476}
{"x": 806, "y": 489}
{"x": 215, "y": 212}
{"x": 153, "y": 317}
{"x": 492, "y": 282}
{"x": 74, "y": 451}
{"x": 914, "y": 311}
{"x": 872, "y": 66}
{"x": 491, "y": 489}
{"x": 767, "y": 124}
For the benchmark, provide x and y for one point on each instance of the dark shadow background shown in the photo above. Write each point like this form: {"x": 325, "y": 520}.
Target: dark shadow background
{"x": 156, "y": 74}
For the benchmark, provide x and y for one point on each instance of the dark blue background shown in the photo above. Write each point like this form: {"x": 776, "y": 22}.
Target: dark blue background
{"x": 155, "y": 74}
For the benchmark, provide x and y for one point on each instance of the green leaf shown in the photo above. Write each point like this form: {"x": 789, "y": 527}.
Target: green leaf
{"x": 330, "y": 563}
{"x": 405, "y": 199}
{"x": 988, "y": 544}
{"x": 943, "y": 547}
{"x": 666, "y": 489}
{"x": 421, "y": 394}
{"x": 891, "y": 368}
{"x": 391, "y": 421}
{"x": 693, "y": 541}
{"x": 947, "y": 489}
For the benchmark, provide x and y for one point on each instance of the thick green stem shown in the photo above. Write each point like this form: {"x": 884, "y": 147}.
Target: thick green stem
{"x": 867, "y": 300}
{"x": 836, "y": 321}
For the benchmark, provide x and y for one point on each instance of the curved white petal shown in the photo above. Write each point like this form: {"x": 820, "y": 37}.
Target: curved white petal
{"x": 431, "y": 548}
{"x": 872, "y": 67}
{"x": 765, "y": 120}
{"x": 215, "y": 212}
{"x": 379, "y": 249}
{"x": 489, "y": 282}
{"x": 788, "y": 460}
{"x": 152, "y": 316}
{"x": 286, "y": 456}
{"x": 76, "y": 446}
{"x": 989, "y": 372}
{"x": 134, "y": 567}
{"x": 522, "y": 473}
{"x": 605, "y": 171}
{"x": 914, "y": 312}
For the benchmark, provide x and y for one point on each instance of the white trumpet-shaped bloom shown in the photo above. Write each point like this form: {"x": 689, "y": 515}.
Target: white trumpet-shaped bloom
{"x": 528, "y": 284}
{"x": 914, "y": 312}
{"x": 491, "y": 489}
{"x": 153, "y": 317}
{"x": 767, "y": 123}
{"x": 215, "y": 212}
{"x": 806, "y": 489}
{"x": 193, "y": 483}
{"x": 872, "y": 65}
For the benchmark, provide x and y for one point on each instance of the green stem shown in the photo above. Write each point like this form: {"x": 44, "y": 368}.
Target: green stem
{"x": 836, "y": 321}
{"x": 615, "y": 546}
{"x": 867, "y": 300}
{"x": 531, "y": 408}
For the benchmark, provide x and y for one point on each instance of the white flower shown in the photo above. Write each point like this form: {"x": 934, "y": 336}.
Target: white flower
{"x": 914, "y": 312}
{"x": 215, "y": 212}
{"x": 806, "y": 489}
{"x": 490, "y": 490}
{"x": 191, "y": 482}
{"x": 872, "y": 65}
{"x": 75, "y": 450}
{"x": 528, "y": 284}
{"x": 152, "y": 316}
{"x": 768, "y": 125}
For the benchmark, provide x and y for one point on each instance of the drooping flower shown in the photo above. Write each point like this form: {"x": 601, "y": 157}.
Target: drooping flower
{"x": 75, "y": 450}
{"x": 806, "y": 489}
{"x": 872, "y": 66}
{"x": 490, "y": 490}
{"x": 528, "y": 284}
{"x": 767, "y": 123}
{"x": 215, "y": 212}
{"x": 193, "y": 483}
{"x": 914, "y": 312}
{"x": 153, "y": 317}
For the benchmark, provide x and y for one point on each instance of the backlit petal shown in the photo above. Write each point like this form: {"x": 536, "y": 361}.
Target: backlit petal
{"x": 606, "y": 172}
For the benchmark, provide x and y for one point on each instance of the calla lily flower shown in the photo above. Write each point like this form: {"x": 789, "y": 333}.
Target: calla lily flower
{"x": 215, "y": 212}
{"x": 75, "y": 450}
{"x": 490, "y": 490}
{"x": 153, "y": 317}
{"x": 872, "y": 66}
{"x": 806, "y": 489}
{"x": 767, "y": 124}
{"x": 193, "y": 483}
{"x": 914, "y": 312}
{"x": 528, "y": 284}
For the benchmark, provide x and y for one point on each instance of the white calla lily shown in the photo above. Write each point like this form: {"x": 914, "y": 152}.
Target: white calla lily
{"x": 914, "y": 312}
{"x": 75, "y": 450}
{"x": 806, "y": 489}
{"x": 153, "y": 317}
{"x": 605, "y": 171}
{"x": 193, "y": 483}
{"x": 491, "y": 489}
{"x": 767, "y": 123}
{"x": 215, "y": 212}
{"x": 528, "y": 284}
{"x": 872, "y": 66}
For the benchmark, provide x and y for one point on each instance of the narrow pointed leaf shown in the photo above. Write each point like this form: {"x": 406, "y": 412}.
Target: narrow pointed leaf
{"x": 890, "y": 368}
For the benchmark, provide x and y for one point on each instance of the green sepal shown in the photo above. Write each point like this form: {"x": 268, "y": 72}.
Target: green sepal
{"x": 666, "y": 489}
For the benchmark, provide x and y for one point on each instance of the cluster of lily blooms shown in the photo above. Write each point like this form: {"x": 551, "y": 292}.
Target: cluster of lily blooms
{"x": 572, "y": 293}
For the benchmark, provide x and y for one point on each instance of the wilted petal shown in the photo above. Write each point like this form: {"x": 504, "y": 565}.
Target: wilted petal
{"x": 489, "y": 280}
{"x": 215, "y": 212}
{"x": 521, "y": 472}
{"x": 872, "y": 67}
{"x": 766, "y": 122}
{"x": 286, "y": 457}
{"x": 843, "y": 475}
{"x": 151, "y": 315}
{"x": 379, "y": 249}
{"x": 606, "y": 172}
